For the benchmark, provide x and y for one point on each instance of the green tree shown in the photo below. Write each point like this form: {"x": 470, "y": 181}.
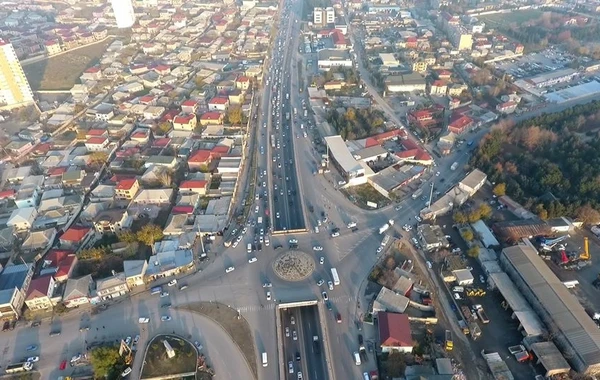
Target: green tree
{"x": 459, "y": 217}
{"x": 92, "y": 254}
{"x": 234, "y": 114}
{"x": 395, "y": 364}
{"x": 467, "y": 235}
{"x": 499, "y": 190}
{"x": 473, "y": 251}
{"x": 128, "y": 237}
{"x": 149, "y": 234}
{"x": 106, "y": 362}
{"x": 164, "y": 127}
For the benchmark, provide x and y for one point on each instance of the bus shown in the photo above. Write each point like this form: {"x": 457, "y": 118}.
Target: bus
{"x": 336, "y": 278}
{"x": 273, "y": 141}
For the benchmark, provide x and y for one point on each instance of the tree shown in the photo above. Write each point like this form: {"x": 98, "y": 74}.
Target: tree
{"x": 106, "y": 361}
{"x": 164, "y": 127}
{"x": 499, "y": 190}
{"x": 467, "y": 234}
{"x": 98, "y": 157}
{"x": 459, "y": 217}
{"x": 92, "y": 254}
{"x": 473, "y": 251}
{"x": 485, "y": 211}
{"x": 234, "y": 114}
{"x": 588, "y": 215}
{"x": 149, "y": 234}
{"x": 474, "y": 216}
{"x": 128, "y": 237}
{"x": 395, "y": 364}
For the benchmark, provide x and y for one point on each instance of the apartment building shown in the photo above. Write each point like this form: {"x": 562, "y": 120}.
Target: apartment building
{"x": 14, "y": 87}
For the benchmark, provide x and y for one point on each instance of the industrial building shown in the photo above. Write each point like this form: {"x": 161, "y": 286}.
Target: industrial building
{"x": 405, "y": 83}
{"x": 328, "y": 58}
{"x": 354, "y": 172}
{"x": 484, "y": 234}
{"x": 573, "y": 331}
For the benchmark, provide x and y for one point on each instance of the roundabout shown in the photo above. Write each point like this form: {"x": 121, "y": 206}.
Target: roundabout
{"x": 293, "y": 266}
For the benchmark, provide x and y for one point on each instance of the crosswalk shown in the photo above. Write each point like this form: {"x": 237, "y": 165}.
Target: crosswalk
{"x": 338, "y": 300}
{"x": 342, "y": 250}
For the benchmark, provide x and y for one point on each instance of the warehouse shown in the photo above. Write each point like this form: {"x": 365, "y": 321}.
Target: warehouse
{"x": 354, "y": 172}
{"x": 574, "y": 332}
{"x": 484, "y": 234}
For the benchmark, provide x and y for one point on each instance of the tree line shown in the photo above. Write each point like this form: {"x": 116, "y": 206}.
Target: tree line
{"x": 356, "y": 123}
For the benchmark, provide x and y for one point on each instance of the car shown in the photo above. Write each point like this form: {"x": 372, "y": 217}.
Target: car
{"x": 165, "y": 306}
{"x": 297, "y": 356}
{"x": 292, "y": 320}
{"x": 229, "y": 269}
{"x": 437, "y": 174}
{"x": 299, "y": 375}
{"x": 287, "y": 332}
{"x": 293, "y": 241}
{"x": 338, "y": 318}
{"x": 268, "y": 296}
{"x": 481, "y": 278}
{"x": 418, "y": 218}
{"x": 6, "y": 326}
{"x": 360, "y": 339}
{"x": 143, "y": 320}
{"x": 379, "y": 249}
{"x": 173, "y": 282}
{"x": 31, "y": 348}
{"x": 253, "y": 259}
{"x": 33, "y": 359}
{"x": 324, "y": 294}
{"x": 317, "y": 248}
{"x": 126, "y": 372}
{"x": 63, "y": 365}
{"x": 335, "y": 234}
{"x": 320, "y": 282}
{"x": 277, "y": 215}
{"x": 198, "y": 345}
{"x": 294, "y": 335}
{"x": 328, "y": 304}
{"x": 398, "y": 208}
{"x": 330, "y": 285}
{"x": 164, "y": 294}
{"x": 267, "y": 285}
{"x": 84, "y": 328}
{"x": 183, "y": 287}
{"x": 316, "y": 229}
{"x": 457, "y": 296}
{"x": 321, "y": 260}
{"x": 136, "y": 339}
{"x": 165, "y": 318}
{"x": 128, "y": 340}
{"x": 290, "y": 367}
{"x": 36, "y": 324}
{"x": 235, "y": 244}
{"x": 429, "y": 265}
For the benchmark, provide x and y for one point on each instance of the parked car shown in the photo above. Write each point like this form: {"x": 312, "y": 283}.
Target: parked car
{"x": 229, "y": 270}
{"x": 173, "y": 282}
{"x": 165, "y": 318}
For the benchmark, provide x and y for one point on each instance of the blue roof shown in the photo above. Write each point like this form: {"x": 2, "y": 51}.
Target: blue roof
{"x": 14, "y": 276}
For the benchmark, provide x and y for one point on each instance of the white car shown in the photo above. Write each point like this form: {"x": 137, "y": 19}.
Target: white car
{"x": 173, "y": 282}
{"x": 292, "y": 320}
{"x": 165, "y": 318}
{"x": 418, "y": 218}
{"x": 267, "y": 285}
{"x": 268, "y": 296}
{"x": 457, "y": 296}
{"x": 324, "y": 294}
{"x": 33, "y": 359}
{"x": 379, "y": 249}
{"x": 136, "y": 339}
{"x": 320, "y": 282}
{"x": 330, "y": 285}
{"x": 429, "y": 265}
{"x": 321, "y": 260}
{"x": 77, "y": 357}
{"x": 230, "y": 269}
{"x": 164, "y": 294}
{"x": 126, "y": 372}
{"x": 235, "y": 244}
{"x": 317, "y": 248}
{"x": 277, "y": 215}
{"x": 253, "y": 259}
{"x": 335, "y": 234}
{"x": 294, "y": 335}
{"x": 287, "y": 332}
{"x": 128, "y": 340}
{"x": 293, "y": 241}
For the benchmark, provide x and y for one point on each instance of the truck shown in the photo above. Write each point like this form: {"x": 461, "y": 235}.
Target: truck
{"x": 449, "y": 344}
{"x": 273, "y": 141}
{"x": 481, "y": 313}
{"x": 316, "y": 346}
{"x": 19, "y": 367}
{"x": 383, "y": 228}
{"x": 454, "y": 166}
{"x": 336, "y": 278}
{"x": 287, "y": 116}
{"x": 385, "y": 240}
{"x": 417, "y": 193}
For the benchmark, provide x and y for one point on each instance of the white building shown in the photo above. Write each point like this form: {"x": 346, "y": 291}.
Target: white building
{"x": 124, "y": 14}
{"x": 14, "y": 87}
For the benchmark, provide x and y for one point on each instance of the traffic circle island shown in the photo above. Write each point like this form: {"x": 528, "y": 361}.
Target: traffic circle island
{"x": 293, "y": 266}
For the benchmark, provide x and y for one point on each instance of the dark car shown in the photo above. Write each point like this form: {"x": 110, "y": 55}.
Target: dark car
{"x": 36, "y": 324}
{"x": 297, "y": 356}
{"x": 6, "y": 326}
{"x": 360, "y": 339}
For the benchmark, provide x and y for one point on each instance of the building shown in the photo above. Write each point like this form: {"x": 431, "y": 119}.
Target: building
{"x": 573, "y": 330}
{"x": 112, "y": 221}
{"x": 405, "y": 83}
{"x": 170, "y": 263}
{"x": 431, "y": 236}
{"x": 124, "y": 14}
{"x": 60, "y": 264}
{"x": 353, "y": 171}
{"x": 328, "y": 58}
{"x": 193, "y": 186}
{"x": 111, "y": 287}
{"x": 323, "y": 16}
{"x": 14, "y": 283}
{"x": 185, "y": 122}
{"x": 39, "y": 294}
{"x": 127, "y": 188}
{"x": 14, "y": 87}
{"x": 135, "y": 272}
{"x": 76, "y": 237}
{"x": 394, "y": 333}
{"x": 78, "y": 291}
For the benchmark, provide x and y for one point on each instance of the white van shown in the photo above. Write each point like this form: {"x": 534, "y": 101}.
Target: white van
{"x": 458, "y": 289}
{"x": 366, "y": 376}
{"x": 249, "y": 248}
{"x": 357, "y": 358}
{"x": 264, "y": 359}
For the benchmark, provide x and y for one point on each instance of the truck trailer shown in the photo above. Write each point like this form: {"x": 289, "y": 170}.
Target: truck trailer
{"x": 19, "y": 367}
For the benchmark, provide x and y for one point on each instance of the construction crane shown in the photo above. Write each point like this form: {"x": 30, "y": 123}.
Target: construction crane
{"x": 575, "y": 260}
{"x": 547, "y": 244}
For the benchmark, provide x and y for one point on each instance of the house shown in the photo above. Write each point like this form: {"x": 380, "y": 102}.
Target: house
{"x": 102, "y": 193}
{"x": 218, "y": 104}
{"x": 39, "y": 240}
{"x": 135, "y": 272}
{"x": 112, "y": 221}
{"x": 22, "y": 219}
{"x": 39, "y": 294}
{"x": 507, "y": 107}
{"x": 459, "y": 124}
{"x": 76, "y": 237}
{"x": 438, "y": 88}
{"x": 199, "y": 159}
{"x": 160, "y": 197}
{"x": 111, "y": 287}
{"x": 185, "y": 122}
{"x": 242, "y": 83}
{"x": 59, "y": 263}
{"x": 78, "y": 291}
{"x": 7, "y": 239}
{"x": 14, "y": 284}
{"x": 127, "y": 188}
{"x": 193, "y": 186}
{"x": 97, "y": 144}
{"x": 168, "y": 162}
{"x": 211, "y": 118}
{"x": 189, "y": 106}
{"x": 236, "y": 97}
{"x": 394, "y": 332}
{"x": 169, "y": 263}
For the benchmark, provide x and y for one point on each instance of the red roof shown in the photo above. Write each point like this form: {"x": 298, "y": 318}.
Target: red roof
{"x": 389, "y": 135}
{"x": 394, "y": 330}
{"x": 184, "y": 119}
{"x": 220, "y": 149}
{"x": 189, "y": 103}
{"x": 460, "y": 123}
{"x": 242, "y": 79}
{"x": 182, "y": 210}
{"x": 96, "y": 140}
{"x": 65, "y": 266}
{"x": 369, "y": 142}
{"x": 193, "y": 184}
{"x": 162, "y": 68}
{"x": 170, "y": 115}
{"x": 211, "y": 116}
{"x": 126, "y": 184}
{"x": 438, "y": 83}
{"x": 38, "y": 287}
{"x": 50, "y": 43}
{"x": 338, "y": 38}
{"x": 96, "y": 132}
{"x": 55, "y": 256}
{"x": 75, "y": 233}
{"x": 218, "y": 100}
{"x": 161, "y": 142}
{"x": 146, "y": 99}
{"x": 7, "y": 194}
{"x": 92, "y": 70}
{"x": 200, "y": 156}
{"x": 139, "y": 135}
{"x": 54, "y": 172}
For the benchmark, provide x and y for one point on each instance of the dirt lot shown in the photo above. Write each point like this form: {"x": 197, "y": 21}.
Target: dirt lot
{"x": 62, "y": 72}
{"x": 237, "y": 329}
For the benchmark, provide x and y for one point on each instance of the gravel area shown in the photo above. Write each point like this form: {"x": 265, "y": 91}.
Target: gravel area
{"x": 294, "y": 266}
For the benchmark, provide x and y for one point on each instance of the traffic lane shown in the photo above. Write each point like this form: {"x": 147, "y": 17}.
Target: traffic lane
{"x": 289, "y": 344}
{"x": 315, "y": 364}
